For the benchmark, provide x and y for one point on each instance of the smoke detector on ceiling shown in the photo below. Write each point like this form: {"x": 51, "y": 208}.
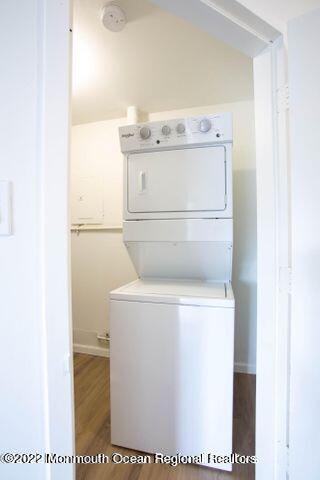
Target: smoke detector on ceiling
{"x": 113, "y": 17}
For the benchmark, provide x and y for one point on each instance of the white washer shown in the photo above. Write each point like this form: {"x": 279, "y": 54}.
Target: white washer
{"x": 171, "y": 367}
{"x": 172, "y": 331}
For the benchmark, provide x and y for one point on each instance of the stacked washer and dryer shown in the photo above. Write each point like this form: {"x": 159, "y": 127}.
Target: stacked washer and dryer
{"x": 172, "y": 330}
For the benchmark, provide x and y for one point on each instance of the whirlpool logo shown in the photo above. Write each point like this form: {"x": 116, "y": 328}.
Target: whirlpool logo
{"x": 127, "y": 135}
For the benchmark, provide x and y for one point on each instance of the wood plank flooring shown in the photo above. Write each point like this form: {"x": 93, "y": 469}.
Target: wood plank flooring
{"x": 92, "y": 412}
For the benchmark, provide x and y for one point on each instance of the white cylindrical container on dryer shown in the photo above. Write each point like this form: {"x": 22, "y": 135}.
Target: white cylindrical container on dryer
{"x": 132, "y": 115}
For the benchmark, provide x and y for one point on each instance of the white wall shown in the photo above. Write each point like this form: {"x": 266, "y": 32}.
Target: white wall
{"x": 107, "y": 68}
{"x": 19, "y": 259}
{"x": 304, "y": 80}
{"x": 95, "y": 151}
{"x": 278, "y": 12}
{"x": 100, "y": 261}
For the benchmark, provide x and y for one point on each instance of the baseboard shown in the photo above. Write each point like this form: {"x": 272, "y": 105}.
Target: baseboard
{"x": 85, "y": 341}
{"x": 91, "y": 350}
{"x": 241, "y": 367}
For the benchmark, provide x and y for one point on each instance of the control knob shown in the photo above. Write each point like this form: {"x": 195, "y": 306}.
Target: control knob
{"x": 205, "y": 125}
{"x": 166, "y": 130}
{"x": 145, "y": 133}
{"x": 180, "y": 128}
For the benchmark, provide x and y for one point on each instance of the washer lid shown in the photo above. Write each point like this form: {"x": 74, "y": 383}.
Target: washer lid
{"x": 180, "y": 292}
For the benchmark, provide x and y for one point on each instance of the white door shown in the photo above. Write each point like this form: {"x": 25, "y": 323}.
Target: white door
{"x": 187, "y": 180}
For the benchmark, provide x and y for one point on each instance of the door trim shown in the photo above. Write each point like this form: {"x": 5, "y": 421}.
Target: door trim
{"x": 57, "y": 63}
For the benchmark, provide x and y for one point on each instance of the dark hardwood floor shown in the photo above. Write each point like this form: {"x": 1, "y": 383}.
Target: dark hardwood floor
{"x": 92, "y": 411}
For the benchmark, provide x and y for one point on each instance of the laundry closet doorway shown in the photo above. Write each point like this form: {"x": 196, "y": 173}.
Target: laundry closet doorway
{"x": 265, "y": 68}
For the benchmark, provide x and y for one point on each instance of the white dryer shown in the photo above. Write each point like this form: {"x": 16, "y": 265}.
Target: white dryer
{"x": 172, "y": 331}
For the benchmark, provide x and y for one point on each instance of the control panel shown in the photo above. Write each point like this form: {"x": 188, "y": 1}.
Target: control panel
{"x": 192, "y": 131}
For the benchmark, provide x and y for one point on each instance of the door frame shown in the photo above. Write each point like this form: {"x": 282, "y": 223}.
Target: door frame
{"x": 273, "y": 261}
{"x": 55, "y": 30}
{"x": 272, "y": 208}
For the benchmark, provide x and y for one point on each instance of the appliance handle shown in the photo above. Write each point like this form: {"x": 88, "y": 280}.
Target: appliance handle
{"x": 142, "y": 182}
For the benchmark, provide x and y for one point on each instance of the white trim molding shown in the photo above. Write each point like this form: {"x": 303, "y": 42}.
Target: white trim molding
{"x": 272, "y": 259}
{"x": 91, "y": 350}
{"x": 242, "y": 367}
{"x": 54, "y": 128}
{"x": 227, "y": 20}
{"x": 90, "y": 342}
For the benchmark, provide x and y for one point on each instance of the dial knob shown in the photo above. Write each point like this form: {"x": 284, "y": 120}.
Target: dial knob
{"x": 204, "y": 125}
{"x": 145, "y": 133}
{"x": 181, "y": 128}
{"x": 166, "y": 130}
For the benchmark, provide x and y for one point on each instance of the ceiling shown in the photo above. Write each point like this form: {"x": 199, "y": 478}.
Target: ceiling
{"x": 158, "y": 62}
{"x": 279, "y": 12}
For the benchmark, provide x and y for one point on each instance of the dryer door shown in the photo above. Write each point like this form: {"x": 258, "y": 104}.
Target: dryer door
{"x": 186, "y": 180}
